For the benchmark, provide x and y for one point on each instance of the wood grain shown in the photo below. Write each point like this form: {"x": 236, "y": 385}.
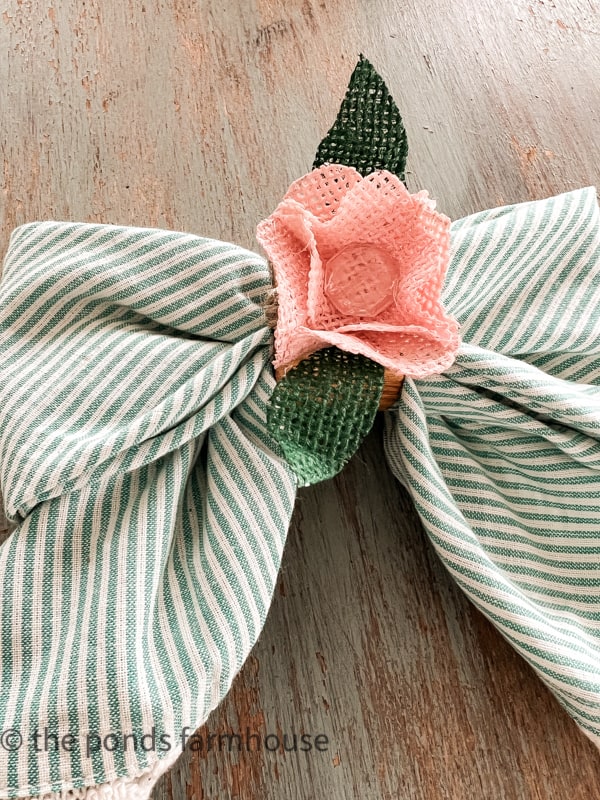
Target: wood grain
{"x": 196, "y": 116}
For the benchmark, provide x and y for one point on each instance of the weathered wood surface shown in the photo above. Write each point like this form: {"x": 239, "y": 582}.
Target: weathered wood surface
{"x": 196, "y": 116}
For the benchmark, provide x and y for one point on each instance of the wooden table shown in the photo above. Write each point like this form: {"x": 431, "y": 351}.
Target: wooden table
{"x": 196, "y": 116}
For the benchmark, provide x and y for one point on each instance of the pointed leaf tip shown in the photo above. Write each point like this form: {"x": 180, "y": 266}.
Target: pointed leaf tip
{"x": 368, "y": 133}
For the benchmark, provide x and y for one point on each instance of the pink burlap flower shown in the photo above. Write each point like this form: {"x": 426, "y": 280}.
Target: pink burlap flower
{"x": 359, "y": 263}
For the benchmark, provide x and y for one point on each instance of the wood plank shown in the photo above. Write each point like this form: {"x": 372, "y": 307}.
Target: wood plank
{"x": 197, "y": 116}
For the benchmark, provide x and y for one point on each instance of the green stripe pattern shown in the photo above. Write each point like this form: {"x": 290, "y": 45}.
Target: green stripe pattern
{"x": 150, "y": 501}
{"x": 501, "y": 454}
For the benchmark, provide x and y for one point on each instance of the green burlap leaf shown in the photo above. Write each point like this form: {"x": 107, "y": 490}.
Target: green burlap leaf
{"x": 368, "y": 133}
{"x": 322, "y": 410}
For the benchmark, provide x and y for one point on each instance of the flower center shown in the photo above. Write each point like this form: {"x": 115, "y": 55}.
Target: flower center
{"x": 359, "y": 280}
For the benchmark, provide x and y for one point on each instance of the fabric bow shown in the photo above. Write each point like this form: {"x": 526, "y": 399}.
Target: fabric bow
{"x": 150, "y": 495}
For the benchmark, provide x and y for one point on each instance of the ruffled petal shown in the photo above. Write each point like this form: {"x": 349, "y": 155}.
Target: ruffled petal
{"x": 321, "y": 191}
{"x": 360, "y": 263}
{"x": 413, "y": 351}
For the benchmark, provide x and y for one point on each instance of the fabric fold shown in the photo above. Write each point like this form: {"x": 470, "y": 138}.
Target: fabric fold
{"x": 151, "y": 503}
{"x": 501, "y": 453}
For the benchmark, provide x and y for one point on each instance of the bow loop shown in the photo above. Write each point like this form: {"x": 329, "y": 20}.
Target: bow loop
{"x": 501, "y": 453}
{"x": 123, "y": 344}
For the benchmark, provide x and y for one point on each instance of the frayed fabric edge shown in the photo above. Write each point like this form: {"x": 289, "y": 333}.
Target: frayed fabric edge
{"x": 124, "y": 788}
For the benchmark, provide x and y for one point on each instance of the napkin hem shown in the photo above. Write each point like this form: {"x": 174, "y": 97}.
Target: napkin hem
{"x": 126, "y": 787}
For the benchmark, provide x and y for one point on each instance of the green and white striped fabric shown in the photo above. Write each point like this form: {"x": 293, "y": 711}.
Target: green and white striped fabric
{"x": 152, "y": 505}
{"x": 502, "y": 452}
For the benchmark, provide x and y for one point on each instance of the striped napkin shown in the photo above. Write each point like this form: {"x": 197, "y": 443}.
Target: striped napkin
{"x": 151, "y": 505}
{"x": 150, "y": 502}
{"x": 501, "y": 453}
